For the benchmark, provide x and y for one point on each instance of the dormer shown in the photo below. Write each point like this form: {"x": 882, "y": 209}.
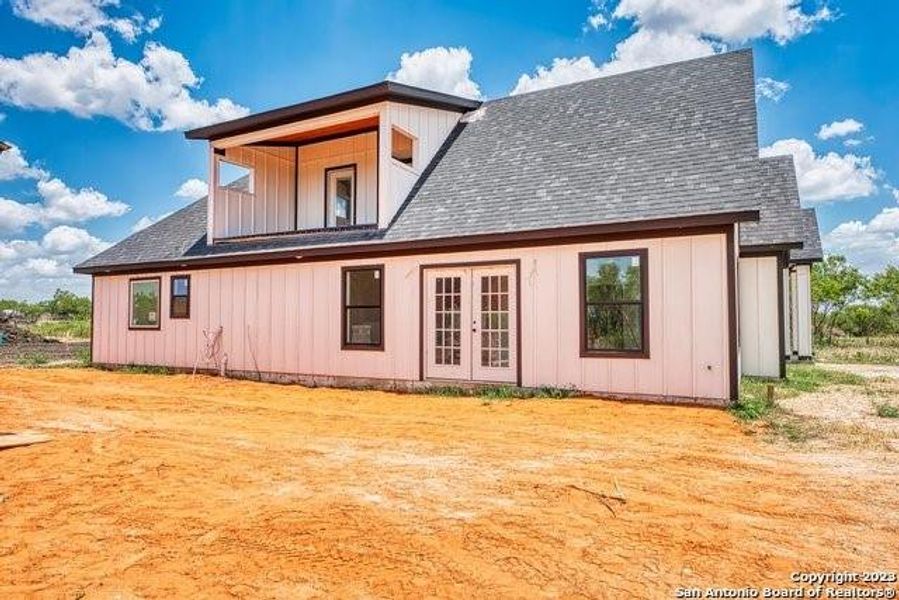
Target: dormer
{"x": 346, "y": 161}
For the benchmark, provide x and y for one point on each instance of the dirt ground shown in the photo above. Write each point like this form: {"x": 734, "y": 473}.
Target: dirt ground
{"x": 170, "y": 486}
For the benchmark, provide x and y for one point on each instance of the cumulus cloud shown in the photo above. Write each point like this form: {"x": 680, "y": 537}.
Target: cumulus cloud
{"x": 731, "y": 21}
{"x": 771, "y": 89}
{"x": 839, "y": 129}
{"x": 146, "y": 221}
{"x": 13, "y": 165}
{"x": 58, "y": 203}
{"x": 668, "y": 31}
{"x": 442, "y": 69}
{"x": 826, "y": 177}
{"x": 154, "y": 94}
{"x": 872, "y": 245}
{"x": 193, "y": 189}
{"x": 33, "y": 269}
{"x": 84, "y": 16}
{"x": 641, "y": 50}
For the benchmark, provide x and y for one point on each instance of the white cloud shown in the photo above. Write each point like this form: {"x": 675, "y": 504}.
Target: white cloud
{"x": 442, "y": 69}
{"x": 62, "y": 204}
{"x": 84, "y": 16}
{"x": 772, "y": 89}
{"x": 146, "y": 221}
{"x": 13, "y": 165}
{"x": 641, "y": 50}
{"x": 33, "y": 269}
{"x": 827, "y": 177}
{"x": 674, "y": 30}
{"x": 193, "y": 189}
{"x": 894, "y": 191}
{"x": 15, "y": 216}
{"x": 58, "y": 202}
{"x": 839, "y": 129}
{"x": 852, "y": 142}
{"x": 151, "y": 95}
{"x": 731, "y": 21}
{"x": 871, "y": 245}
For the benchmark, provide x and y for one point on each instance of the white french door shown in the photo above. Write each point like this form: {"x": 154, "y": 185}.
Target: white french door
{"x": 471, "y": 323}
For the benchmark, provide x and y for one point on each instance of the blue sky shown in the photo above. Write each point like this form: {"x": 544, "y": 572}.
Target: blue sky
{"x": 95, "y": 93}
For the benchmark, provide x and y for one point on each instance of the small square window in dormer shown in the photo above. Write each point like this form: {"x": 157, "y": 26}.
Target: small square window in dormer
{"x": 402, "y": 147}
{"x": 235, "y": 177}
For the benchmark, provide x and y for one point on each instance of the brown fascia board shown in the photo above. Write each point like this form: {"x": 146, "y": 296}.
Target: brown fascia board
{"x": 768, "y": 249}
{"x": 675, "y": 226}
{"x": 371, "y": 94}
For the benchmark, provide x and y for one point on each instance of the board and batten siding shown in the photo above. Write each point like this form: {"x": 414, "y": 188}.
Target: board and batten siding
{"x": 359, "y": 150}
{"x": 430, "y": 127}
{"x": 801, "y": 310}
{"x": 270, "y": 208}
{"x": 759, "y": 316}
{"x": 286, "y": 319}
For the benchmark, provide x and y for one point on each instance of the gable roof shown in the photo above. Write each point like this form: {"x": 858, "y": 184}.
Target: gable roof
{"x": 781, "y": 220}
{"x": 674, "y": 140}
{"x": 811, "y": 250}
{"x": 660, "y": 146}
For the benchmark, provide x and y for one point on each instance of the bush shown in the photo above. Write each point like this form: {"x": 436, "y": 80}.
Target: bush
{"x": 63, "y": 329}
{"x": 83, "y": 356}
{"x": 887, "y": 410}
{"x": 35, "y": 359}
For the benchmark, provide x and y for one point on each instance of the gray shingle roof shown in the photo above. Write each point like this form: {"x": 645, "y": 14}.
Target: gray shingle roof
{"x": 677, "y": 140}
{"x": 669, "y": 141}
{"x": 811, "y": 250}
{"x": 780, "y": 219}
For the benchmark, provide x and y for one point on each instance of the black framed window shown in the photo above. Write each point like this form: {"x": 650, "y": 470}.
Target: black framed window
{"x": 363, "y": 308}
{"x": 179, "y": 305}
{"x": 614, "y": 315}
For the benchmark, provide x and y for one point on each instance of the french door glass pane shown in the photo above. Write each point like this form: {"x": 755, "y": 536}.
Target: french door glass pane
{"x": 494, "y": 321}
{"x": 448, "y": 321}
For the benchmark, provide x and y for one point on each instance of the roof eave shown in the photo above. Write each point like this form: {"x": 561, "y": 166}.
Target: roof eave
{"x": 531, "y": 237}
{"x": 372, "y": 94}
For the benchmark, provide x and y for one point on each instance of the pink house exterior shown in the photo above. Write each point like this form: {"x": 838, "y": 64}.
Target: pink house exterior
{"x": 402, "y": 238}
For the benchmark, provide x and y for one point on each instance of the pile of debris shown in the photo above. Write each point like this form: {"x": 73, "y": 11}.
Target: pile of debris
{"x": 12, "y": 333}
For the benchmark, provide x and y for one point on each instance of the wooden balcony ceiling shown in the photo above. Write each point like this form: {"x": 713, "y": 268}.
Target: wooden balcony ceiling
{"x": 326, "y": 133}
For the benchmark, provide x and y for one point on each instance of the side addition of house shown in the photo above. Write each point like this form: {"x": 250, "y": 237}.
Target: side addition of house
{"x": 620, "y": 236}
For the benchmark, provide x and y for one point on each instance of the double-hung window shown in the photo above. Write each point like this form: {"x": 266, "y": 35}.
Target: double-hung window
{"x": 179, "y": 300}
{"x": 614, "y": 317}
{"x": 144, "y": 303}
{"x": 363, "y": 308}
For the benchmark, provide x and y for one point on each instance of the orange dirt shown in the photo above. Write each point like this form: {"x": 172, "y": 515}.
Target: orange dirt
{"x": 171, "y": 486}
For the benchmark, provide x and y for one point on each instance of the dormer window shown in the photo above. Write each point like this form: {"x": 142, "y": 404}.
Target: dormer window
{"x": 402, "y": 147}
{"x": 235, "y": 177}
{"x": 340, "y": 196}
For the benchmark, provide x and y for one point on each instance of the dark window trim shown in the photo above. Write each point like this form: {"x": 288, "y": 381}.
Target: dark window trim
{"x": 643, "y": 352}
{"x": 131, "y": 326}
{"x": 172, "y": 296}
{"x": 343, "y": 308}
{"x": 355, "y": 193}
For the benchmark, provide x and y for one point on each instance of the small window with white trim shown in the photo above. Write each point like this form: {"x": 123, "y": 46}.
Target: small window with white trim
{"x": 233, "y": 176}
{"x": 402, "y": 147}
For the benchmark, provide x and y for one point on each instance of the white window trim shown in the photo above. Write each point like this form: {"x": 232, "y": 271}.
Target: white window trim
{"x": 332, "y": 173}
{"x": 231, "y": 161}
{"x": 415, "y": 154}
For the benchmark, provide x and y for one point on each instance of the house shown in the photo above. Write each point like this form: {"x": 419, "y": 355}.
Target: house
{"x": 586, "y": 235}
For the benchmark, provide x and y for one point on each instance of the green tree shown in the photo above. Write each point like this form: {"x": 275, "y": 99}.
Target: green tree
{"x": 835, "y": 285}
{"x": 67, "y": 305}
{"x": 883, "y": 291}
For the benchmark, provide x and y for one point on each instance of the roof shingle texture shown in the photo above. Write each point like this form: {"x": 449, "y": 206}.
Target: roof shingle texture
{"x": 780, "y": 216}
{"x": 811, "y": 250}
{"x": 671, "y": 141}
